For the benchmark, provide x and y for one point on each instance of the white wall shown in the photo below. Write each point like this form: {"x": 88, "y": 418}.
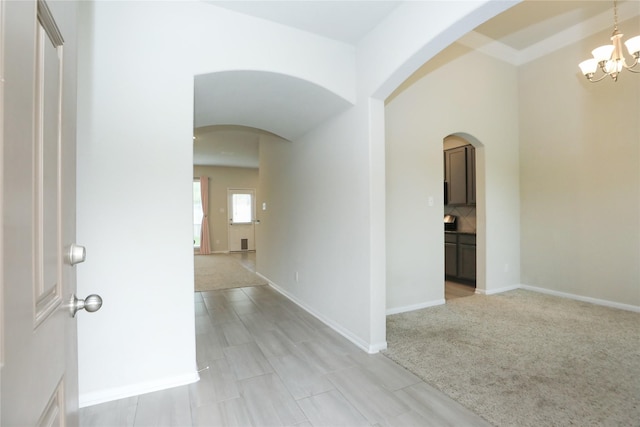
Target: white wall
{"x": 316, "y": 224}
{"x": 134, "y": 209}
{"x": 440, "y": 100}
{"x": 580, "y": 177}
{"x": 137, "y": 63}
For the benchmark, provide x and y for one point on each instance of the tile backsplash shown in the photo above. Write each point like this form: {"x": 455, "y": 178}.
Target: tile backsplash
{"x": 466, "y": 217}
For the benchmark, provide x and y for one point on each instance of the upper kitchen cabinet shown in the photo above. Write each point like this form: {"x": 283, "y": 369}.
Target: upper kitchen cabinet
{"x": 460, "y": 176}
{"x": 471, "y": 175}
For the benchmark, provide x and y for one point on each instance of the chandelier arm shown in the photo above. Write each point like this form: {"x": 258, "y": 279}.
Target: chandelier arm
{"x": 597, "y": 80}
{"x": 630, "y": 67}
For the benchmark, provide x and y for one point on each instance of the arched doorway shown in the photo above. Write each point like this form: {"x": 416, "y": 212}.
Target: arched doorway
{"x": 463, "y": 199}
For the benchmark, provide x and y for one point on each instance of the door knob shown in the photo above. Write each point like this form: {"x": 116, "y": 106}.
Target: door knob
{"x": 76, "y": 254}
{"x": 91, "y": 303}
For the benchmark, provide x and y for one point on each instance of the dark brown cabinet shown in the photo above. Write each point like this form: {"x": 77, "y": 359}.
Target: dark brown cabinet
{"x": 467, "y": 257}
{"x": 471, "y": 174}
{"x": 460, "y": 256}
{"x": 450, "y": 255}
{"x": 460, "y": 176}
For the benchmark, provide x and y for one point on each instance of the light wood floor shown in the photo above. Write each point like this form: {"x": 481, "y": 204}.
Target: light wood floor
{"x": 453, "y": 290}
{"x": 268, "y": 363}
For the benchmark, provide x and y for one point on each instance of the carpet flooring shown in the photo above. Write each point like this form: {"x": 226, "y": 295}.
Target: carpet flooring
{"x": 225, "y": 271}
{"x": 523, "y": 358}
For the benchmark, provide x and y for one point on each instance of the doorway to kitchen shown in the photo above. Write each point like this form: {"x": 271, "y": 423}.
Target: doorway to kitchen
{"x": 460, "y": 217}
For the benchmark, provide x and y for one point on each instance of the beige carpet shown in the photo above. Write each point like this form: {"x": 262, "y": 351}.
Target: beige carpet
{"x": 526, "y": 359}
{"x": 224, "y": 271}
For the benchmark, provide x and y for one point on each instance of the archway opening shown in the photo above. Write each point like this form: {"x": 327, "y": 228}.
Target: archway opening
{"x": 464, "y": 218}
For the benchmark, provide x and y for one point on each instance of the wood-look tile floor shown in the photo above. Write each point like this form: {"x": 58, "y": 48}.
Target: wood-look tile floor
{"x": 453, "y": 290}
{"x": 269, "y": 363}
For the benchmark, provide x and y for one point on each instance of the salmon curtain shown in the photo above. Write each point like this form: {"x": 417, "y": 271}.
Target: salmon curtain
{"x": 205, "y": 247}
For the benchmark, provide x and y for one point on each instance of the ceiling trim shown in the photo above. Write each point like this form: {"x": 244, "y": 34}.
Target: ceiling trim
{"x": 568, "y": 36}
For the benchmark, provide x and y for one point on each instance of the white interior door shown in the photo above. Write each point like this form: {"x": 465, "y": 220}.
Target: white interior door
{"x": 39, "y": 349}
{"x": 242, "y": 214}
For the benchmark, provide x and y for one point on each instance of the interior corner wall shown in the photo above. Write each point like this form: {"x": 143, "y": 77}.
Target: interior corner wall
{"x": 440, "y": 100}
{"x": 221, "y": 179}
{"x": 580, "y": 177}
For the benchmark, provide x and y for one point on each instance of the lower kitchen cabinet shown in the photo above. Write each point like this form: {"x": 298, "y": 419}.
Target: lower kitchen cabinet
{"x": 450, "y": 259}
{"x": 460, "y": 256}
{"x": 467, "y": 262}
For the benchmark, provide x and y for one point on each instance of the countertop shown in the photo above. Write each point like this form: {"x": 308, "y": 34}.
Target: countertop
{"x": 459, "y": 232}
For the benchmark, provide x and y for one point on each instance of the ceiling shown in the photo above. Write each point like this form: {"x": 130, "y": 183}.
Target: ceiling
{"x": 289, "y": 108}
{"x": 346, "y": 21}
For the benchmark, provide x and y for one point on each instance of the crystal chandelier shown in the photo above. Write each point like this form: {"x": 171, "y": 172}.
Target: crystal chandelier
{"x": 610, "y": 58}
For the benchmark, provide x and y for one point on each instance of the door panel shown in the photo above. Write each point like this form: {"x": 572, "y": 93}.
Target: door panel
{"x": 47, "y": 127}
{"x": 39, "y": 373}
{"x": 242, "y": 210}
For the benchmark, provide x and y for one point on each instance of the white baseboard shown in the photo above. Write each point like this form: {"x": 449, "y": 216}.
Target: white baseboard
{"x": 370, "y": 348}
{"x": 376, "y": 347}
{"x": 596, "y": 301}
{"x": 406, "y": 308}
{"x": 498, "y": 290}
{"x": 576, "y": 297}
{"x": 95, "y": 398}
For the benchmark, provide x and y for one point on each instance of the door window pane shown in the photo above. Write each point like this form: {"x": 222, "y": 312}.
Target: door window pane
{"x": 241, "y": 208}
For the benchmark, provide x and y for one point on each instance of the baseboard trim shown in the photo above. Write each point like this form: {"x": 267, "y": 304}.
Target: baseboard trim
{"x": 413, "y": 307}
{"x": 498, "y": 290}
{"x": 97, "y": 397}
{"x": 591, "y": 300}
{"x": 370, "y": 348}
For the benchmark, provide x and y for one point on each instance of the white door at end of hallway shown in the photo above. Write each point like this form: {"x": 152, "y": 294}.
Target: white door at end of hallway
{"x": 241, "y": 206}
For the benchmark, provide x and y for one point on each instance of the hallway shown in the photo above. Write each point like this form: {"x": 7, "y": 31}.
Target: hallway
{"x": 266, "y": 362}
